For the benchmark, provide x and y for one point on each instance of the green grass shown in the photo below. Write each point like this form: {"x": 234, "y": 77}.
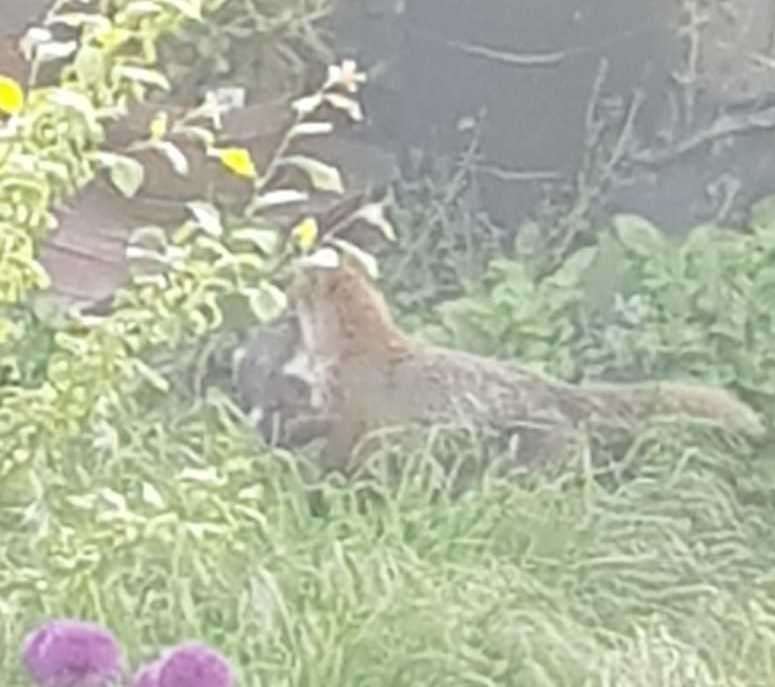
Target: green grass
{"x": 184, "y": 529}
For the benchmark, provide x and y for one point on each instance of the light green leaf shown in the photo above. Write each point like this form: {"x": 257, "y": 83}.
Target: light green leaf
{"x": 126, "y": 173}
{"x": 216, "y": 247}
{"x": 325, "y": 257}
{"x": 153, "y": 235}
{"x": 348, "y": 105}
{"x": 308, "y": 104}
{"x": 79, "y": 19}
{"x": 146, "y": 254}
{"x": 55, "y": 50}
{"x": 208, "y": 475}
{"x": 324, "y": 177}
{"x": 151, "y": 376}
{"x": 639, "y": 235}
{"x": 574, "y": 268}
{"x": 72, "y": 344}
{"x": 208, "y": 217}
{"x": 82, "y": 502}
{"x": 311, "y": 129}
{"x": 90, "y": 65}
{"x": 374, "y": 214}
{"x": 188, "y": 8}
{"x": 152, "y": 496}
{"x": 267, "y": 301}
{"x": 168, "y": 149}
{"x": 141, "y": 8}
{"x": 40, "y": 277}
{"x": 266, "y": 240}
{"x": 194, "y": 133}
{"x": 367, "y": 260}
{"x": 157, "y": 281}
{"x": 279, "y": 197}
{"x": 114, "y": 499}
{"x": 763, "y": 215}
{"x": 150, "y": 77}
{"x": 213, "y": 309}
{"x": 9, "y": 331}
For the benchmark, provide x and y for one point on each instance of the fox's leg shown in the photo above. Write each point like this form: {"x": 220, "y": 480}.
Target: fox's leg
{"x": 304, "y": 429}
{"x": 342, "y": 438}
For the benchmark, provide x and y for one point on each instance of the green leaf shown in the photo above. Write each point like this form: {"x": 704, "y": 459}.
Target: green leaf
{"x": 149, "y": 236}
{"x": 763, "y": 215}
{"x": 90, "y": 65}
{"x": 168, "y": 149}
{"x": 188, "y": 8}
{"x": 212, "y": 307}
{"x": 68, "y": 98}
{"x": 266, "y": 240}
{"x": 367, "y": 260}
{"x": 40, "y": 277}
{"x": 325, "y": 257}
{"x": 348, "y": 105}
{"x": 374, "y": 214}
{"x": 324, "y": 177}
{"x": 267, "y": 301}
{"x": 308, "y": 104}
{"x": 194, "y": 133}
{"x": 639, "y": 235}
{"x": 140, "y": 8}
{"x": 126, "y": 173}
{"x": 80, "y": 19}
{"x": 575, "y": 267}
{"x": 152, "y": 496}
{"x": 278, "y": 197}
{"x": 311, "y": 129}
{"x": 55, "y": 50}
{"x": 151, "y": 376}
{"x": 208, "y": 217}
{"x": 150, "y": 77}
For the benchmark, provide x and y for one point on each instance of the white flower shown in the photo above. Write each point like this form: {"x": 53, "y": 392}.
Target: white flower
{"x": 346, "y": 75}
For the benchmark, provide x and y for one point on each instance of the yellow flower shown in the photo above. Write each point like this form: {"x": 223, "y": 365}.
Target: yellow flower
{"x": 238, "y": 160}
{"x": 159, "y": 125}
{"x": 11, "y": 96}
{"x": 305, "y": 233}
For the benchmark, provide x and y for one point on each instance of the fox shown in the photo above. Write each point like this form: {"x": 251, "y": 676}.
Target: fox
{"x": 369, "y": 374}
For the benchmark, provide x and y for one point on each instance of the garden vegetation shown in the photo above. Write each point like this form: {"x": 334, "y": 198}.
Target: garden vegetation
{"x": 163, "y": 517}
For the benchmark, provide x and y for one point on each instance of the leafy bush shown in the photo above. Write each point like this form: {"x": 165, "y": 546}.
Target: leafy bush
{"x": 636, "y": 305}
{"x": 164, "y": 519}
{"x": 263, "y": 46}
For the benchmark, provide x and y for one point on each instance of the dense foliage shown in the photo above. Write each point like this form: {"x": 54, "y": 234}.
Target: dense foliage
{"x": 165, "y": 519}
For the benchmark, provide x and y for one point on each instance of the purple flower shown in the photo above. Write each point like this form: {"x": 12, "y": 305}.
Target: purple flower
{"x": 194, "y": 665}
{"x": 72, "y": 653}
{"x": 148, "y": 675}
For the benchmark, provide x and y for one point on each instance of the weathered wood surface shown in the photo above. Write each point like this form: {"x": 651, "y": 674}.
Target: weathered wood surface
{"x": 85, "y": 255}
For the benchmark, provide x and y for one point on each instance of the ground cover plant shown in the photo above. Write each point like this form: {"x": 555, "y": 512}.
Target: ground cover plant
{"x": 163, "y": 518}
{"x": 178, "y": 525}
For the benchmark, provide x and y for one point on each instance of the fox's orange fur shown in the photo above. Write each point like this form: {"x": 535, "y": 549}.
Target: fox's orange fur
{"x": 370, "y": 374}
